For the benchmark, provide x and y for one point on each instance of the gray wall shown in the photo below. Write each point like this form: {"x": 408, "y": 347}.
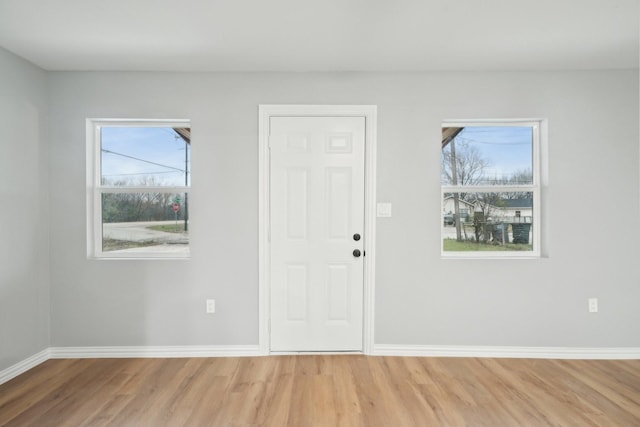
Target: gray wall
{"x": 591, "y": 202}
{"x": 591, "y": 206}
{"x": 24, "y": 218}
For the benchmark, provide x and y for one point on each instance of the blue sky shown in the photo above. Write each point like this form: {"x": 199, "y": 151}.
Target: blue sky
{"x": 507, "y": 148}
{"x": 130, "y": 149}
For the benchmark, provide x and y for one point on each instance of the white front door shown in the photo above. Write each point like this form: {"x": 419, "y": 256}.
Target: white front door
{"x": 317, "y": 222}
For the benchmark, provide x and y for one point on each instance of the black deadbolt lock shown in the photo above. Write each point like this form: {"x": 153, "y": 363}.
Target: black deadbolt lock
{"x": 356, "y": 237}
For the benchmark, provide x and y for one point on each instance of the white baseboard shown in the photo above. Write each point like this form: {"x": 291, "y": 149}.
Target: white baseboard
{"x": 507, "y": 352}
{"x": 23, "y": 366}
{"x": 154, "y": 351}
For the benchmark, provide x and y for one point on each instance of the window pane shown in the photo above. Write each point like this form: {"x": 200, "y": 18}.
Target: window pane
{"x": 501, "y": 221}
{"x": 145, "y": 222}
{"x": 145, "y": 156}
{"x": 487, "y": 155}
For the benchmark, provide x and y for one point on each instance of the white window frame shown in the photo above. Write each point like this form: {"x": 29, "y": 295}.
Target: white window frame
{"x": 95, "y": 189}
{"x": 537, "y": 127}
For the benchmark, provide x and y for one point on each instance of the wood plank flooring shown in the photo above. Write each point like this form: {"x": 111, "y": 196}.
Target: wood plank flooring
{"x": 324, "y": 390}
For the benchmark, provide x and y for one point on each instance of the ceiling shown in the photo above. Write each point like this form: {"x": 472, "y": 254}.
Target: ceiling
{"x": 322, "y": 35}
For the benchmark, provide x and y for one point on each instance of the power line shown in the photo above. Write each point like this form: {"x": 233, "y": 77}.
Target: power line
{"x": 138, "y": 173}
{"x": 142, "y": 160}
{"x": 463, "y": 139}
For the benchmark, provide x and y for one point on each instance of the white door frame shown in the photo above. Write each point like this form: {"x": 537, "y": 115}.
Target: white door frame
{"x": 369, "y": 112}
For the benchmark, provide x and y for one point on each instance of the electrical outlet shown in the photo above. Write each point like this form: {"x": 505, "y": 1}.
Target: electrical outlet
{"x": 593, "y": 305}
{"x": 211, "y": 306}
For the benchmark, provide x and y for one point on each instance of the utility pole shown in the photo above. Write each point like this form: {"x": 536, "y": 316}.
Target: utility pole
{"x": 456, "y": 195}
{"x": 186, "y": 183}
{"x": 185, "y": 134}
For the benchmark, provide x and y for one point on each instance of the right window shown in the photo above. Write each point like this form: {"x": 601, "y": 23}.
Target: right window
{"x": 490, "y": 189}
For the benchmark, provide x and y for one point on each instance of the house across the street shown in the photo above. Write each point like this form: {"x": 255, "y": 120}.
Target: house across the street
{"x": 507, "y": 210}
{"x": 513, "y": 210}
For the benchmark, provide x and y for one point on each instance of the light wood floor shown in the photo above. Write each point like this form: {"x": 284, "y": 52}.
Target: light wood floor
{"x": 344, "y": 390}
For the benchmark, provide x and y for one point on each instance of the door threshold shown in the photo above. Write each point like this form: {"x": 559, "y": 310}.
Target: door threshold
{"x": 315, "y": 353}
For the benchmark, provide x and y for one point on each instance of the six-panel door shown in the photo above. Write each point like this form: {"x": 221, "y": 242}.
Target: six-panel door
{"x": 316, "y": 208}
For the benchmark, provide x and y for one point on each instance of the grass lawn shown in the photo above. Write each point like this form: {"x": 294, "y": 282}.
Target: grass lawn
{"x": 169, "y": 228}
{"x": 453, "y": 245}
{"x": 114, "y": 245}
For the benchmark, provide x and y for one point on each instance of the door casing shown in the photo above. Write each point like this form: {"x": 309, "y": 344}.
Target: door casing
{"x": 369, "y": 112}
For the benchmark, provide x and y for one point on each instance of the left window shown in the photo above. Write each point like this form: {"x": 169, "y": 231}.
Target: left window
{"x": 138, "y": 182}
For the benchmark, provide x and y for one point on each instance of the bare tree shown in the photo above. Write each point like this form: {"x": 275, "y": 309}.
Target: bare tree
{"x": 462, "y": 165}
{"x": 486, "y": 204}
{"x": 519, "y": 177}
{"x": 468, "y": 163}
{"x": 138, "y": 206}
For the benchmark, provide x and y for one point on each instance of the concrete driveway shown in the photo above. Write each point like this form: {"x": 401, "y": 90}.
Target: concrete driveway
{"x": 138, "y": 232}
{"x": 157, "y": 241}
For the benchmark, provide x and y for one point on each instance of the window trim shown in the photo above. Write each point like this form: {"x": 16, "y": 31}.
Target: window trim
{"x": 95, "y": 190}
{"x": 538, "y": 129}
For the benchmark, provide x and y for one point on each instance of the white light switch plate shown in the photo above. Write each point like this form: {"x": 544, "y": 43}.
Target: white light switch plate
{"x": 384, "y": 210}
{"x": 211, "y": 306}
